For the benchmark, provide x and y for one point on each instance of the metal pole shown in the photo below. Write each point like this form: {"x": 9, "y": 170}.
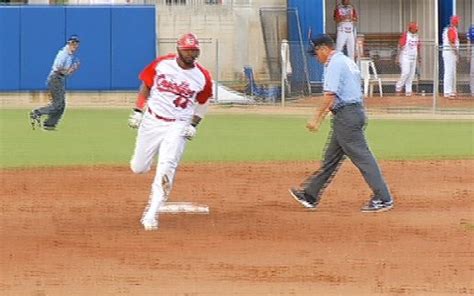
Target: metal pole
{"x": 436, "y": 57}
{"x": 216, "y": 79}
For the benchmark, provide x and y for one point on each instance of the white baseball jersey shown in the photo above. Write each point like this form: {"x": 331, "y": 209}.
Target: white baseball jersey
{"x": 347, "y": 13}
{"x": 450, "y": 34}
{"x": 409, "y": 44}
{"x": 174, "y": 91}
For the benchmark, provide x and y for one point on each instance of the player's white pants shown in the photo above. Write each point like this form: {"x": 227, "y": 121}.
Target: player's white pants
{"x": 449, "y": 87}
{"x": 472, "y": 70}
{"x": 158, "y": 137}
{"x": 346, "y": 39}
{"x": 408, "y": 66}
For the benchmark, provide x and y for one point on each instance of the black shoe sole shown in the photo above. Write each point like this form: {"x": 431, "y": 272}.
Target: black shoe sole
{"x": 33, "y": 121}
{"x": 304, "y": 203}
{"x": 379, "y": 210}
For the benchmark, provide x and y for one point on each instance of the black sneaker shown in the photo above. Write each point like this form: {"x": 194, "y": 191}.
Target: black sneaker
{"x": 49, "y": 128}
{"x": 377, "y": 205}
{"x": 35, "y": 119}
{"x": 303, "y": 198}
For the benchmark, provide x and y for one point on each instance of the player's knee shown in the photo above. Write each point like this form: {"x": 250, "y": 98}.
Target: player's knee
{"x": 138, "y": 168}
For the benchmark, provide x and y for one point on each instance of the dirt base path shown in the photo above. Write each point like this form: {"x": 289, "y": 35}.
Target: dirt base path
{"x": 75, "y": 231}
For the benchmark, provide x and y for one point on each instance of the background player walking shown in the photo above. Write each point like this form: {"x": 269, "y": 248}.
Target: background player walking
{"x": 450, "y": 57}
{"x": 65, "y": 64}
{"x": 409, "y": 47}
{"x": 345, "y": 16}
{"x": 343, "y": 97}
{"x": 172, "y": 100}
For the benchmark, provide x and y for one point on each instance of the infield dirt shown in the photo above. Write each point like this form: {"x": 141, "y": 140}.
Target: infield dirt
{"x": 76, "y": 231}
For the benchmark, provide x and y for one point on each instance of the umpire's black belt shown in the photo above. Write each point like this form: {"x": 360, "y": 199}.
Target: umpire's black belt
{"x": 339, "y": 108}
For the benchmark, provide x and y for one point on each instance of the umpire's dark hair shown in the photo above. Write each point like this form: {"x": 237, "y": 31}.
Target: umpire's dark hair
{"x": 323, "y": 40}
{"x": 320, "y": 41}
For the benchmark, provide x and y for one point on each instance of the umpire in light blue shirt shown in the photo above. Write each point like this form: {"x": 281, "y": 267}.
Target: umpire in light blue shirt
{"x": 342, "y": 97}
{"x": 65, "y": 64}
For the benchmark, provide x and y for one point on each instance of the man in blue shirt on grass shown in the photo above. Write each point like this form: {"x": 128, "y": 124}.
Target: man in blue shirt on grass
{"x": 343, "y": 97}
{"x": 65, "y": 64}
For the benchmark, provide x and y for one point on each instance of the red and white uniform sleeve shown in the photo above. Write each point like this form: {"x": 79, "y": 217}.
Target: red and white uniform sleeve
{"x": 175, "y": 92}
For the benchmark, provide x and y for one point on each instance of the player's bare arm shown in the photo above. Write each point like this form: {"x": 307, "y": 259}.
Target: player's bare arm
{"x": 328, "y": 101}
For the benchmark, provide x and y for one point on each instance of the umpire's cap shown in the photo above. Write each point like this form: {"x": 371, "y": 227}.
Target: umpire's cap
{"x": 73, "y": 38}
{"x": 321, "y": 40}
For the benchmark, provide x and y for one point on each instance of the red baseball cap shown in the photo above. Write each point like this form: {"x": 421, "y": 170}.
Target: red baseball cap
{"x": 413, "y": 26}
{"x": 188, "y": 41}
{"x": 455, "y": 20}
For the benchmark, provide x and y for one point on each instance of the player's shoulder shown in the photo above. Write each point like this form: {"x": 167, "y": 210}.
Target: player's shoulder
{"x": 204, "y": 71}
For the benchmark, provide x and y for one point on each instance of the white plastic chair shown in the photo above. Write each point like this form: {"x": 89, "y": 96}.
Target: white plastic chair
{"x": 369, "y": 78}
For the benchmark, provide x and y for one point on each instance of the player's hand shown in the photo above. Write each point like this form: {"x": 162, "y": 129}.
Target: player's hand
{"x": 135, "y": 119}
{"x": 189, "y": 132}
{"x": 313, "y": 125}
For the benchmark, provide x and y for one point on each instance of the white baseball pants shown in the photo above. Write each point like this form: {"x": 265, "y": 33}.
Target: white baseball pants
{"x": 165, "y": 140}
{"x": 472, "y": 70}
{"x": 450, "y": 63}
{"x": 346, "y": 39}
{"x": 408, "y": 66}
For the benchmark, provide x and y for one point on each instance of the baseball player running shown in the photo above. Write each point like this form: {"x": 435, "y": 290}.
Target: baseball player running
{"x": 345, "y": 16}
{"x": 65, "y": 64}
{"x": 450, "y": 56}
{"x": 343, "y": 97}
{"x": 409, "y": 46}
{"x": 172, "y": 100}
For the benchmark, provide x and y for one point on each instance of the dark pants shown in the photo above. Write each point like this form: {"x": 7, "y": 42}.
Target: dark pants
{"x": 347, "y": 138}
{"x": 55, "y": 110}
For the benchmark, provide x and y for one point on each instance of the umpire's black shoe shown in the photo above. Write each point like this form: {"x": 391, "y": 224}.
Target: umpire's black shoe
{"x": 306, "y": 200}
{"x": 35, "y": 119}
{"x": 377, "y": 205}
{"x": 49, "y": 128}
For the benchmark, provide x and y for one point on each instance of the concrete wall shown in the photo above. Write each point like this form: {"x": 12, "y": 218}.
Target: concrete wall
{"x": 237, "y": 29}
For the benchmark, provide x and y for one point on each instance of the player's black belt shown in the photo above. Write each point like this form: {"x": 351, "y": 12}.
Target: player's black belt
{"x": 160, "y": 117}
{"x": 339, "y": 108}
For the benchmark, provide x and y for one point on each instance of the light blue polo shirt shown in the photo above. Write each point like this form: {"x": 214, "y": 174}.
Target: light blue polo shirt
{"x": 342, "y": 77}
{"x": 63, "y": 61}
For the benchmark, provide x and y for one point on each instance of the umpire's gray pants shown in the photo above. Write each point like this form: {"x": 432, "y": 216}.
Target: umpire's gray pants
{"x": 55, "y": 110}
{"x": 347, "y": 138}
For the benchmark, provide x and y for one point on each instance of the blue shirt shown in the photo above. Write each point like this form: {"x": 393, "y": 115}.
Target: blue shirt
{"x": 63, "y": 61}
{"x": 342, "y": 77}
{"x": 470, "y": 34}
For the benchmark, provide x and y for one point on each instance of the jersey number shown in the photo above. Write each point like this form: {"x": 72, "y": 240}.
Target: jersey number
{"x": 181, "y": 102}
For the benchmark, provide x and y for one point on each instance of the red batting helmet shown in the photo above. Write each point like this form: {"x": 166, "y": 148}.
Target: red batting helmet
{"x": 455, "y": 20}
{"x": 188, "y": 41}
{"x": 413, "y": 26}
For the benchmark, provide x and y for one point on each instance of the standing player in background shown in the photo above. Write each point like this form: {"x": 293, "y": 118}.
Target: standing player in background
{"x": 172, "y": 100}
{"x": 470, "y": 38}
{"x": 65, "y": 64}
{"x": 450, "y": 57}
{"x": 345, "y": 16}
{"x": 408, "y": 56}
{"x": 343, "y": 97}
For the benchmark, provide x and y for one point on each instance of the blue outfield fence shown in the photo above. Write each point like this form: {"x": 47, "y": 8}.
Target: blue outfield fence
{"x": 117, "y": 42}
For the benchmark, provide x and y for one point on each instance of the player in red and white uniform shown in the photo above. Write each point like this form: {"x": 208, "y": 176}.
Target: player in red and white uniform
{"x": 450, "y": 56}
{"x": 345, "y": 16}
{"x": 172, "y": 100}
{"x": 409, "y": 46}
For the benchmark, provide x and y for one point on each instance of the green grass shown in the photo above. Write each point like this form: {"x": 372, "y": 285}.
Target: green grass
{"x": 90, "y": 136}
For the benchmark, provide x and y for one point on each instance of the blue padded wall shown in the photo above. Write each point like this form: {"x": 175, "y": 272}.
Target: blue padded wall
{"x": 41, "y": 36}
{"x": 116, "y": 43}
{"x": 9, "y": 48}
{"x": 132, "y": 48}
{"x": 92, "y": 25}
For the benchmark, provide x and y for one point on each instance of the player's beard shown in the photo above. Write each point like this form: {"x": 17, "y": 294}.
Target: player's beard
{"x": 188, "y": 60}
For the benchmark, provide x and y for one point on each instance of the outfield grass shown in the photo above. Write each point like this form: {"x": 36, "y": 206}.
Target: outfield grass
{"x": 89, "y": 137}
